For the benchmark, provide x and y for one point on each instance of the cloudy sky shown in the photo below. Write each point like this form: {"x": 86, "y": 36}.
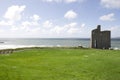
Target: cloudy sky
{"x": 57, "y": 18}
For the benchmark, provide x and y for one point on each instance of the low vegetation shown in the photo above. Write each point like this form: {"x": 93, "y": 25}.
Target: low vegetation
{"x": 60, "y": 64}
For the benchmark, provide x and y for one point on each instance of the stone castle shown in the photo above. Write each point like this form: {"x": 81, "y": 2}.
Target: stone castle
{"x": 100, "y": 39}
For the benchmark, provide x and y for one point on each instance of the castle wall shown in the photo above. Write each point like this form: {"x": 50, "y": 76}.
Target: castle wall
{"x": 106, "y": 42}
{"x": 100, "y": 39}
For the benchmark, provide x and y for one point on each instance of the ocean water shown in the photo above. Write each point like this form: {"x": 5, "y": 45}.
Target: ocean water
{"x": 6, "y": 43}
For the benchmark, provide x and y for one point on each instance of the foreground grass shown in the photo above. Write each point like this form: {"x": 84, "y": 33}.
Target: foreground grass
{"x": 60, "y": 64}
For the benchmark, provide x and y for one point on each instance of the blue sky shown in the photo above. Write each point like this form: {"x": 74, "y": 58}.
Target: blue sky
{"x": 57, "y": 18}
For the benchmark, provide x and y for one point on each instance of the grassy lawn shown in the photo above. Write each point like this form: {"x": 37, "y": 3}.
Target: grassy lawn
{"x": 61, "y": 64}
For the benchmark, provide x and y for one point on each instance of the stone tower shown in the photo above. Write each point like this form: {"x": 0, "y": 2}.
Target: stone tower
{"x": 100, "y": 39}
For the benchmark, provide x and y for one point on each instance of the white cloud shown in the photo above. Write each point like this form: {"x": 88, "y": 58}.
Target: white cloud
{"x": 52, "y": 1}
{"x": 108, "y": 17}
{"x": 45, "y": 29}
{"x": 67, "y": 29}
{"x": 111, "y": 3}
{"x": 34, "y": 23}
{"x": 70, "y": 14}
{"x": 57, "y": 30}
{"x": 115, "y": 31}
{"x": 3, "y": 23}
{"x": 14, "y": 12}
{"x": 32, "y": 27}
{"x": 70, "y": 1}
{"x": 71, "y": 25}
{"x": 47, "y": 24}
{"x": 48, "y": 0}
{"x": 1, "y": 30}
{"x": 83, "y": 25}
{"x": 73, "y": 30}
{"x": 64, "y": 1}
{"x": 35, "y": 17}
{"x": 29, "y": 25}
{"x": 36, "y": 30}
{"x": 62, "y": 29}
{"x": 26, "y": 23}
{"x": 6, "y": 23}
{"x": 14, "y": 28}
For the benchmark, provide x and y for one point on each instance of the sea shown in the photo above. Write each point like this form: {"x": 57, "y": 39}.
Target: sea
{"x": 13, "y": 43}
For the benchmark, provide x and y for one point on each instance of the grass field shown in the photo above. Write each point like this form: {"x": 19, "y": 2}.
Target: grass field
{"x": 60, "y": 64}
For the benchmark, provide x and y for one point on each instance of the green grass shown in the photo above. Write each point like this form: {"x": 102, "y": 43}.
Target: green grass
{"x": 61, "y": 64}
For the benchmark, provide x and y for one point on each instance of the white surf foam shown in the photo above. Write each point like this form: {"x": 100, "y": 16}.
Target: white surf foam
{"x": 24, "y": 46}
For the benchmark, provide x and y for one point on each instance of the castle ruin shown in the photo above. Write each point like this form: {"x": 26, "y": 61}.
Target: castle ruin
{"x": 100, "y": 39}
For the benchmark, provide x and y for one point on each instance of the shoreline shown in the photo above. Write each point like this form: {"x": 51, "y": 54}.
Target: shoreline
{"x": 32, "y": 46}
{"x": 5, "y": 47}
{"x": 9, "y": 51}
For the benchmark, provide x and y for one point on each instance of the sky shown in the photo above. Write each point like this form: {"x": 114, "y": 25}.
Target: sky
{"x": 58, "y": 18}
